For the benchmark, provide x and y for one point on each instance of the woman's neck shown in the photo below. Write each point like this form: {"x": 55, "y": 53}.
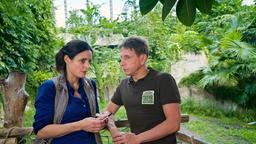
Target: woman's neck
{"x": 73, "y": 81}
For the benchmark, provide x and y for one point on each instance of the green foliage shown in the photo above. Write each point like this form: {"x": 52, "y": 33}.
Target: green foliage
{"x": 249, "y": 34}
{"x": 192, "y": 79}
{"x": 189, "y": 41}
{"x": 231, "y": 60}
{"x": 27, "y": 38}
{"x": 204, "y": 6}
{"x": 89, "y": 25}
{"x": 28, "y": 122}
{"x": 222, "y": 7}
{"x": 26, "y": 35}
{"x": 167, "y": 6}
{"x": 221, "y": 130}
{"x": 105, "y": 68}
{"x": 185, "y": 9}
{"x": 29, "y": 117}
{"x": 35, "y": 79}
{"x": 83, "y": 23}
{"x": 163, "y": 51}
{"x": 206, "y": 108}
{"x": 146, "y": 6}
{"x": 231, "y": 69}
{"x": 214, "y": 109}
{"x": 226, "y": 15}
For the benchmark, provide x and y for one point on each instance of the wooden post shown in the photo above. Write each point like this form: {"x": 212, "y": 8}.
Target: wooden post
{"x": 8, "y": 141}
{"x": 15, "y": 99}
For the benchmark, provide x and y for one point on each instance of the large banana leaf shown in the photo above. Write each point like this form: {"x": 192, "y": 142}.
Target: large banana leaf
{"x": 185, "y": 9}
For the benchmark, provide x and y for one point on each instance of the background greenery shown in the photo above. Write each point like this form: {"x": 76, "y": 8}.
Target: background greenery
{"x": 227, "y": 35}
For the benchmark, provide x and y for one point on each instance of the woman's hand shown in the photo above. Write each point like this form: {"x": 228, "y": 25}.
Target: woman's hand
{"x": 92, "y": 124}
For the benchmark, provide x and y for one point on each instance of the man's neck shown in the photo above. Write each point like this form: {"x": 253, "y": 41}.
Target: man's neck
{"x": 141, "y": 73}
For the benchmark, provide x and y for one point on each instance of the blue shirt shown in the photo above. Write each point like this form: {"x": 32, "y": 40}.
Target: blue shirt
{"x": 77, "y": 109}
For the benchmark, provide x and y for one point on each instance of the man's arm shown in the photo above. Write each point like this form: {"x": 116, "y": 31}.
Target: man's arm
{"x": 112, "y": 108}
{"x": 170, "y": 125}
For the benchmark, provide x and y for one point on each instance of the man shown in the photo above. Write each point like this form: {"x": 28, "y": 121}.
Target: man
{"x": 151, "y": 99}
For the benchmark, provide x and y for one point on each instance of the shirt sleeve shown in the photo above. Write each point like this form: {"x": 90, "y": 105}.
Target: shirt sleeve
{"x": 116, "y": 98}
{"x": 169, "y": 92}
{"x": 44, "y": 105}
{"x": 96, "y": 95}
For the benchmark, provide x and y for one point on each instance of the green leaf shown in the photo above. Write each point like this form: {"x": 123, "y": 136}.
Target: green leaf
{"x": 162, "y": 1}
{"x": 204, "y": 6}
{"x": 168, "y": 4}
{"x": 186, "y": 11}
{"x": 147, "y": 5}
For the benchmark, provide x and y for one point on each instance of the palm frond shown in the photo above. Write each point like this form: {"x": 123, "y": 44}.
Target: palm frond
{"x": 219, "y": 78}
{"x": 252, "y": 67}
{"x": 250, "y": 89}
{"x": 232, "y": 46}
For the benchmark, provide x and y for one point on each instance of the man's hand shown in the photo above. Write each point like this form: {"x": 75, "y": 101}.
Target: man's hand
{"x": 104, "y": 115}
{"x": 126, "y": 138}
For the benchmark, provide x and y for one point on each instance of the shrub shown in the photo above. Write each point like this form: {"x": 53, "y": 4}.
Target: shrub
{"x": 35, "y": 80}
{"x": 214, "y": 109}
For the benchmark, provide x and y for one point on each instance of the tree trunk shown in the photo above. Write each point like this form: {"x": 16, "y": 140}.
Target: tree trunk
{"x": 87, "y": 4}
{"x": 15, "y": 99}
{"x": 111, "y": 9}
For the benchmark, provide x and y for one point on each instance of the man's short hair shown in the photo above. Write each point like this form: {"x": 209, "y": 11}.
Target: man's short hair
{"x": 138, "y": 44}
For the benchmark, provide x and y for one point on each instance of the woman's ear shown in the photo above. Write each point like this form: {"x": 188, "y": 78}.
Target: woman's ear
{"x": 66, "y": 59}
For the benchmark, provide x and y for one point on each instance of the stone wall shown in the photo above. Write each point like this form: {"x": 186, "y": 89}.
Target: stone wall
{"x": 188, "y": 64}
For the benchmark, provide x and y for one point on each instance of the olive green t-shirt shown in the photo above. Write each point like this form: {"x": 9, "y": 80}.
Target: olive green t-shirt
{"x": 143, "y": 101}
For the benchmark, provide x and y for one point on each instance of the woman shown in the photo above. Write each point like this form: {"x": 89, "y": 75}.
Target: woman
{"x": 78, "y": 123}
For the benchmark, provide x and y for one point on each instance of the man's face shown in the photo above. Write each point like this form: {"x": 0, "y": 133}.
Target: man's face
{"x": 130, "y": 61}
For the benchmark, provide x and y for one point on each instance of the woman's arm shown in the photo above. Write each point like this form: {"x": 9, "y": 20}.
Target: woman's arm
{"x": 57, "y": 130}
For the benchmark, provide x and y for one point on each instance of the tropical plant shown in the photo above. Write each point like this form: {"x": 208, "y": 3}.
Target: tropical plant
{"x": 227, "y": 15}
{"x": 83, "y": 23}
{"x": 232, "y": 69}
{"x": 229, "y": 29}
{"x": 185, "y": 9}
{"x": 105, "y": 68}
{"x": 249, "y": 33}
{"x": 188, "y": 40}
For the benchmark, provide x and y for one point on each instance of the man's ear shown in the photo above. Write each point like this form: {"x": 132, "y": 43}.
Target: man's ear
{"x": 66, "y": 59}
{"x": 143, "y": 59}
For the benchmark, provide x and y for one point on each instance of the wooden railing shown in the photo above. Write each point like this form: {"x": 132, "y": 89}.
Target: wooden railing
{"x": 8, "y": 135}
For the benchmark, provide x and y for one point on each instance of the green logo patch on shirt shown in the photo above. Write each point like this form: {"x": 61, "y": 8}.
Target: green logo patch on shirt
{"x": 148, "y": 97}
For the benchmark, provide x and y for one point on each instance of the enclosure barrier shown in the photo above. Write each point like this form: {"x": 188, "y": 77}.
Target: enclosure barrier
{"x": 9, "y": 136}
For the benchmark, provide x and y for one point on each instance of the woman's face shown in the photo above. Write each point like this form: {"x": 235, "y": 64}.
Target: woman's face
{"x": 79, "y": 65}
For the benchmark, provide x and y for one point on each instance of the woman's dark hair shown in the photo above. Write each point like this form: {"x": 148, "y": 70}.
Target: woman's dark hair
{"x": 71, "y": 49}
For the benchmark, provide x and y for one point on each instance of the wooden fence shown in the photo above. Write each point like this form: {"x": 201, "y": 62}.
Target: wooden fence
{"x": 9, "y": 136}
